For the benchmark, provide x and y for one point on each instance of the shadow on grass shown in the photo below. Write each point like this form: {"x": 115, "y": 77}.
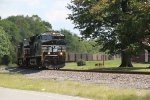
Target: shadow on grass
{"x": 21, "y": 70}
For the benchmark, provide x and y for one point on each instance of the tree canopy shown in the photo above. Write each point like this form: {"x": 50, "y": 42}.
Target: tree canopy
{"x": 5, "y": 44}
{"x": 77, "y": 45}
{"x": 120, "y": 26}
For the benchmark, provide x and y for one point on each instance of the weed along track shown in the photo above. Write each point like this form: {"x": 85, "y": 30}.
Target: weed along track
{"x": 138, "y": 81}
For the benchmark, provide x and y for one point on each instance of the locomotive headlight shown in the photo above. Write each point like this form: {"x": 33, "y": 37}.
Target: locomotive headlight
{"x": 61, "y": 53}
{"x": 49, "y": 53}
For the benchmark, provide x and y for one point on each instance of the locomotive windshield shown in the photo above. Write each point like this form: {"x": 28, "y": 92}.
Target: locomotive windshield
{"x": 45, "y": 38}
{"x": 54, "y": 38}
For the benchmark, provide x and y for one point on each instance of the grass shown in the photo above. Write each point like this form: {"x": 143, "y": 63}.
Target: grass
{"x": 9, "y": 65}
{"x": 96, "y": 91}
{"x": 12, "y": 65}
{"x": 109, "y": 66}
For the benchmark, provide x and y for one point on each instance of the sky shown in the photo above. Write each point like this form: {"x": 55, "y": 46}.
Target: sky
{"x": 53, "y": 11}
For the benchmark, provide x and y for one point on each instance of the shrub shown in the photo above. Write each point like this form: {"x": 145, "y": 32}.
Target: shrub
{"x": 5, "y": 60}
{"x": 81, "y": 62}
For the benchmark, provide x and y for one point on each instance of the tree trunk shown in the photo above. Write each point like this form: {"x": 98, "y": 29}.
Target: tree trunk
{"x": 125, "y": 60}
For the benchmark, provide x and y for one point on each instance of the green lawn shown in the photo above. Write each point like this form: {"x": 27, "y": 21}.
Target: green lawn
{"x": 109, "y": 65}
{"x": 96, "y": 91}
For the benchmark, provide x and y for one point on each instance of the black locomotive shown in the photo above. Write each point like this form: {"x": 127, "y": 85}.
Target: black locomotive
{"x": 46, "y": 50}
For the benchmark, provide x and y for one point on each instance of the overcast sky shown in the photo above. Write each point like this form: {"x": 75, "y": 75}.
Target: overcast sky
{"x": 53, "y": 11}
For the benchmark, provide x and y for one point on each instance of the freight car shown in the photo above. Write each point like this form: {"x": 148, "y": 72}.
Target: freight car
{"x": 46, "y": 50}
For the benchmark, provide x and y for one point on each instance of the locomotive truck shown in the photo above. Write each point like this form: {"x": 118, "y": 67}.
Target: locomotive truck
{"x": 46, "y": 50}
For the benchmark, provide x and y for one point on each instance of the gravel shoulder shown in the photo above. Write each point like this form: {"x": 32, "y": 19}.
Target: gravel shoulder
{"x": 114, "y": 80}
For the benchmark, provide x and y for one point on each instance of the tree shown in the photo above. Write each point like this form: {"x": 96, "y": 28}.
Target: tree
{"x": 11, "y": 29}
{"x": 5, "y": 45}
{"x": 75, "y": 44}
{"x": 29, "y": 26}
{"x": 120, "y": 26}
{"x": 72, "y": 41}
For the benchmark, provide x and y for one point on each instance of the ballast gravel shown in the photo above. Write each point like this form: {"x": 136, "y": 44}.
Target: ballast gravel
{"x": 137, "y": 81}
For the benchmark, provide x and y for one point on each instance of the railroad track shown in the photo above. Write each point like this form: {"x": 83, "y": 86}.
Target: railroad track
{"x": 103, "y": 71}
{"x": 90, "y": 70}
